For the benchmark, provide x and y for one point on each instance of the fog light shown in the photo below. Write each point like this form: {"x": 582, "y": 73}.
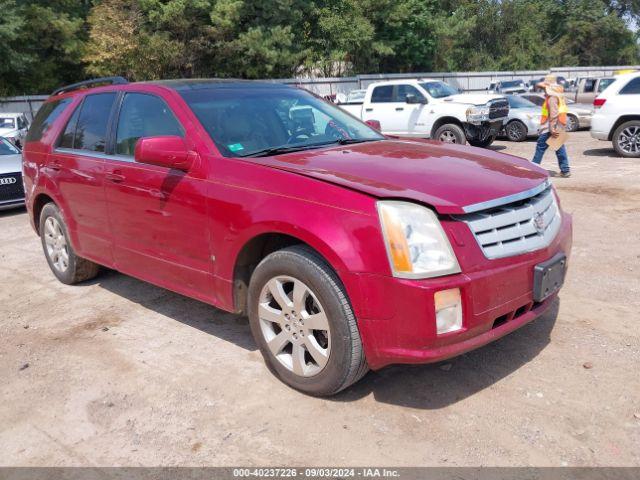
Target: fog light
{"x": 448, "y": 306}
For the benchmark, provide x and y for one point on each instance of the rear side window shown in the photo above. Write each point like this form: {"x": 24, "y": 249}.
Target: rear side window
{"x": 631, "y": 88}
{"x": 91, "y": 128}
{"x": 143, "y": 115}
{"x": 45, "y": 117}
{"x": 66, "y": 139}
{"x": 382, "y": 94}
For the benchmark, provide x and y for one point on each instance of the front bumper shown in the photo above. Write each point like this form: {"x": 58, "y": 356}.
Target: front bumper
{"x": 483, "y": 130}
{"x": 496, "y": 300}
{"x": 584, "y": 121}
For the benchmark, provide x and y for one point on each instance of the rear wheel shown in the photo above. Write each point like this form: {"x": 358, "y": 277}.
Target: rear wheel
{"x": 303, "y": 323}
{"x": 68, "y": 267}
{"x": 450, "y": 133}
{"x": 572, "y": 123}
{"x": 626, "y": 139}
{"x": 516, "y": 131}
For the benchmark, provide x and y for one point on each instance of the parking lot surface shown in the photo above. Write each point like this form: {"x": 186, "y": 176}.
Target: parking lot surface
{"x": 119, "y": 372}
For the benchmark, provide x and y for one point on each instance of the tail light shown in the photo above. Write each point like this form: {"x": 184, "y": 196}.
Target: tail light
{"x": 598, "y": 102}
{"x": 375, "y": 124}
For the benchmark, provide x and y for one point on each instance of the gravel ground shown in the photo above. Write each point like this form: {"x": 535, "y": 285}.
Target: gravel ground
{"x": 119, "y": 372}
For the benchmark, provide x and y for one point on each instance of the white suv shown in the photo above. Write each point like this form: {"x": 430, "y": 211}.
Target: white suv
{"x": 617, "y": 115}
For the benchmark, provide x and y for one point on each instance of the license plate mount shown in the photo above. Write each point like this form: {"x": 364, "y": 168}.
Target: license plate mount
{"x": 548, "y": 277}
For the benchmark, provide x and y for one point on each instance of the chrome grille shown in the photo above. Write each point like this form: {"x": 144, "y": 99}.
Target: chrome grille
{"x": 11, "y": 187}
{"x": 516, "y": 228}
{"x": 498, "y": 109}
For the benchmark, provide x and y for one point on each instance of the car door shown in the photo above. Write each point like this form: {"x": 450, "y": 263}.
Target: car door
{"x": 76, "y": 166}
{"x": 389, "y": 106}
{"x": 381, "y": 107}
{"x": 157, "y": 215}
{"x": 416, "y": 118}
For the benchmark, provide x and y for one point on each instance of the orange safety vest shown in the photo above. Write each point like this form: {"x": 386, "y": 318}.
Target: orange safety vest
{"x": 562, "y": 111}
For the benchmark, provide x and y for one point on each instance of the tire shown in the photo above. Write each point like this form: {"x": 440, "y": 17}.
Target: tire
{"x": 68, "y": 267}
{"x": 516, "y": 131}
{"x": 572, "y": 123}
{"x": 626, "y": 139}
{"x": 482, "y": 144}
{"x": 450, "y": 133}
{"x": 338, "y": 358}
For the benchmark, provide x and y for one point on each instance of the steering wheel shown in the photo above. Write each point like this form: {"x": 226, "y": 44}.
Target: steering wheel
{"x": 333, "y": 130}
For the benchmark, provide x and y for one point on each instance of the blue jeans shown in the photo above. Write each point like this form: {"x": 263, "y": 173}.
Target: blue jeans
{"x": 561, "y": 153}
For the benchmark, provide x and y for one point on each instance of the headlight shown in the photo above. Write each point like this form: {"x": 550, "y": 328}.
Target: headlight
{"x": 416, "y": 244}
{"x": 477, "y": 114}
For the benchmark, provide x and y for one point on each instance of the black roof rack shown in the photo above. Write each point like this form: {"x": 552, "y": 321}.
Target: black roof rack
{"x": 91, "y": 83}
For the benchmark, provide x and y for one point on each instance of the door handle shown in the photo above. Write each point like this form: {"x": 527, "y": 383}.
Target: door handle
{"x": 115, "y": 177}
{"x": 54, "y": 165}
{"x": 399, "y": 109}
{"x": 368, "y": 109}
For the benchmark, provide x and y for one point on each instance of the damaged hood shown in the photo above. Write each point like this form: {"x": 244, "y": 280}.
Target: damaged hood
{"x": 471, "y": 98}
{"x": 447, "y": 177}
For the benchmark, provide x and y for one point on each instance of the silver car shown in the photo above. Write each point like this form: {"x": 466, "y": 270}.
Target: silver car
{"x": 11, "y": 187}
{"x": 523, "y": 120}
{"x": 510, "y": 86}
{"x": 579, "y": 115}
{"x": 14, "y": 126}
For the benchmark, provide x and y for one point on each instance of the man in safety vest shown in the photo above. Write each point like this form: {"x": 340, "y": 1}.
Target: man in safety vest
{"x": 552, "y": 122}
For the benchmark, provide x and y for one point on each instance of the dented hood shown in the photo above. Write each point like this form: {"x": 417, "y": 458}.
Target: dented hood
{"x": 447, "y": 177}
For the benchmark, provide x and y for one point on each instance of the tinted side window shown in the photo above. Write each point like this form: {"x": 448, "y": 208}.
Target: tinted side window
{"x": 403, "y": 90}
{"x": 45, "y": 118}
{"x": 91, "y": 130}
{"x": 143, "y": 115}
{"x": 66, "y": 139}
{"x": 631, "y": 88}
{"x": 382, "y": 94}
{"x": 589, "y": 85}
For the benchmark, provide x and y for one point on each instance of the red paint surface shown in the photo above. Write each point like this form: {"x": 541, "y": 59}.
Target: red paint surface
{"x": 164, "y": 226}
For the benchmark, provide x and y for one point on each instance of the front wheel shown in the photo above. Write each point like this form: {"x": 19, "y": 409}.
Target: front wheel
{"x": 484, "y": 143}
{"x": 516, "y": 131}
{"x": 626, "y": 139}
{"x": 450, "y": 133}
{"x": 303, "y": 323}
{"x": 68, "y": 267}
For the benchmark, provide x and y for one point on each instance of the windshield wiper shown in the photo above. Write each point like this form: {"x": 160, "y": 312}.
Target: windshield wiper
{"x": 267, "y": 152}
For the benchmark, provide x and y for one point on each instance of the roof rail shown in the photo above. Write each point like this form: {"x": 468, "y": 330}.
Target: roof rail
{"x": 91, "y": 83}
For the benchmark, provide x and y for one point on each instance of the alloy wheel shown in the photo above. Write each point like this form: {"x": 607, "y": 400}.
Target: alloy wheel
{"x": 56, "y": 244}
{"x": 629, "y": 140}
{"x": 448, "y": 137}
{"x": 294, "y": 325}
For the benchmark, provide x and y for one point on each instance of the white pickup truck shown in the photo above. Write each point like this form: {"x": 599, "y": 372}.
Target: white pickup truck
{"x": 431, "y": 109}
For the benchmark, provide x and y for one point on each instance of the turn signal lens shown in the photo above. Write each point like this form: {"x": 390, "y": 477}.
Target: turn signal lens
{"x": 448, "y": 306}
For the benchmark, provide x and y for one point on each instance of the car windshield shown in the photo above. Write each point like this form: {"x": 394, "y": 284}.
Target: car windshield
{"x": 438, "y": 89}
{"x": 511, "y": 84}
{"x": 268, "y": 121}
{"x": 7, "y": 122}
{"x": 519, "y": 102}
{"x": 7, "y": 148}
{"x": 604, "y": 83}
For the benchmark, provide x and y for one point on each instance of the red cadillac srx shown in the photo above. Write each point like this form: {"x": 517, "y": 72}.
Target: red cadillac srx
{"x": 348, "y": 250}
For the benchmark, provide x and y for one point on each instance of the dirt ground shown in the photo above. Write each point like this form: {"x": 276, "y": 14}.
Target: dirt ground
{"x": 119, "y": 372}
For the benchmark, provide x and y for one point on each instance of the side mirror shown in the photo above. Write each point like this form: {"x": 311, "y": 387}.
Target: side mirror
{"x": 413, "y": 99}
{"x": 167, "y": 151}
